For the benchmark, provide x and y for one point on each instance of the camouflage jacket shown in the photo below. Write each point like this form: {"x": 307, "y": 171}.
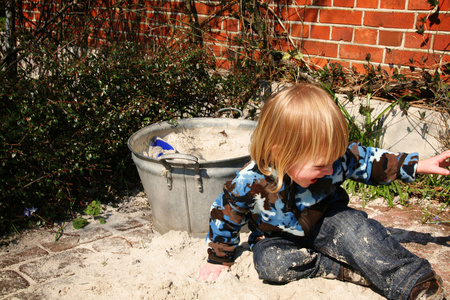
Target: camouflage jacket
{"x": 294, "y": 210}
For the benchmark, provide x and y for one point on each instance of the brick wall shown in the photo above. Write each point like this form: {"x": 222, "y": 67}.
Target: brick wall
{"x": 343, "y": 31}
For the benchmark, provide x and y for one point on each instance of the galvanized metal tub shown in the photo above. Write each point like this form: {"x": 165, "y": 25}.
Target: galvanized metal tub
{"x": 179, "y": 187}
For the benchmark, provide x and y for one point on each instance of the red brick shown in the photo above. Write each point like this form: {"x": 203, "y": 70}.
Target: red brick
{"x": 334, "y": 16}
{"x": 367, "y": 3}
{"x": 360, "y": 52}
{"x": 320, "y": 32}
{"x": 445, "y": 21}
{"x": 144, "y": 27}
{"x": 359, "y": 67}
{"x": 203, "y": 9}
{"x": 279, "y": 30}
{"x": 29, "y": 15}
{"x": 445, "y": 59}
{"x": 410, "y": 58}
{"x": 311, "y": 15}
{"x": 99, "y": 33}
{"x": 441, "y": 42}
{"x": 94, "y": 42}
{"x": 217, "y": 50}
{"x": 230, "y": 24}
{"x": 226, "y": 12}
{"x": 299, "y": 31}
{"x": 393, "y": 4}
{"x": 213, "y": 23}
{"x": 219, "y": 37}
{"x": 301, "y": 2}
{"x": 343, "y": 3}
{"x": 222, "y": 63}
{"x": 320, "y": 48}
{"x": 165, "y": 31}
{"x": 283, "y": 45}
{"x": 365, "y": 36}
{"x": 390, "y": 38}
{"x": 343, "y": 64}
{"x": 418, "y": 41}
{"x": 294, "y": 14}
{"x": 322, "y": 2}
{"x": 233, "y": 36}
{"x": 342, "y": 33}
{"x": 444, "y": 5}
{"x": 437, "y": 22}
{"x": 389, "y": 19}
{"x": 419, "y": 5}
{"x": 257, "y": 55}
{"x": 180, "y": 20}
{"x": 318, "y": 61}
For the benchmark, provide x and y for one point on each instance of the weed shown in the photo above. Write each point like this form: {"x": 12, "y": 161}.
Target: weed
{"x": 93, "y": 209}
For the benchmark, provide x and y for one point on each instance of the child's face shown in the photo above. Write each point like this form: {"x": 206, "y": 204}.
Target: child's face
{"x": 305, "y": 174}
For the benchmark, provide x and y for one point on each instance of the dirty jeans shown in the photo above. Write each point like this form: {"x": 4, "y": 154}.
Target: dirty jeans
{"x": 343, "y": 236}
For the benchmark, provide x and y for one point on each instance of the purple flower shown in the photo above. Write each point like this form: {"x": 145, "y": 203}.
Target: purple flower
{"x": 28, "y": 212}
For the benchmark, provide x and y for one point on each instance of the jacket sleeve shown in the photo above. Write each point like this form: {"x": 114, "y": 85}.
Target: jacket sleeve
{"x": 228, "y": 215}
{"x": 376, "y": 166}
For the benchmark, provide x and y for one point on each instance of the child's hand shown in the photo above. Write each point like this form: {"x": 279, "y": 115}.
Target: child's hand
{"x": 435, "y": 164}
{"x": 213, "y": 270}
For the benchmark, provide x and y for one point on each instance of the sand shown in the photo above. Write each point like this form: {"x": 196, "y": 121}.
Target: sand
{"x": 154, "y": 266}
{"x": 207, "y": 144}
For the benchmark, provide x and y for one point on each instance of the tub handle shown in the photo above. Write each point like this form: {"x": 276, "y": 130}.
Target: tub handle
{"x": 168, "y": 169}
{"x": 232, "y": 109}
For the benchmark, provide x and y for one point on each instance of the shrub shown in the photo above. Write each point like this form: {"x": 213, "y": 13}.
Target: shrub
{"x": 65, "y": 130}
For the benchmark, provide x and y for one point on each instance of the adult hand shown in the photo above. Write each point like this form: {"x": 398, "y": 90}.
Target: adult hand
{"x": 435, "y": 164}
{"x": 211, "y": 269}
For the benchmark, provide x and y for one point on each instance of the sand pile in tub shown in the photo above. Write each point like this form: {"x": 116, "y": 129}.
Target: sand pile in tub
{"x": 207, "y": 144}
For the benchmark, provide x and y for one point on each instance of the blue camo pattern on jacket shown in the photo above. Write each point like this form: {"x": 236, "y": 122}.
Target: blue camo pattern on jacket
{"x": 294, "y": 210}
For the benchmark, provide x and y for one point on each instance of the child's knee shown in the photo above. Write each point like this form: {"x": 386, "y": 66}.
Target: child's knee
{"x": 281, "y": 261}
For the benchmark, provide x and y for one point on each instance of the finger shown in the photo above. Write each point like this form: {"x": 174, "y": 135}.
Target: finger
{"x": 203, "y": 275}
{"x": 214, "y": 276}
{"x": 442, "y": 171}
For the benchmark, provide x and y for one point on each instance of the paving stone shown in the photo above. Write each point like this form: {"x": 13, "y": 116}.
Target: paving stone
{"x": 115, "y": 245}
{"x": 11, "y": 282}
{"x": 93, "y": 234}
{"x": 67, "y": 242}
{"x": 394, "y": 217}
{"x": 55, "y": 265}
{"x": 55, "y": 289}
{"x": 139, "y": 237}
{"x": 28, "y": 295}
{"x": 127, "y": 225}
{"x": 64, "y": 243}
{"x": 10, "y": 259}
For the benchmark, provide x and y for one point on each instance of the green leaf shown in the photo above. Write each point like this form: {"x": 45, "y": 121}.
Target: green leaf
{"x": 299, "y": 56}
{"x": 433, "y": 2}
{"x": 286, "y": 56}
{"x": 79, "y": 223}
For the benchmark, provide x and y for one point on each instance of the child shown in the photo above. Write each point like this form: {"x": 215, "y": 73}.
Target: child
{"x": 290, "y": 197}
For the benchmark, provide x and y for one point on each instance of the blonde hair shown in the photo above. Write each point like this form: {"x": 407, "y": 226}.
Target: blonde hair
{"x": 298, "y": 124}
